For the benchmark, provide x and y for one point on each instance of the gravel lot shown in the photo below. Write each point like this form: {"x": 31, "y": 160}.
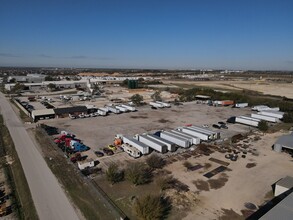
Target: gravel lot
{"x": 100, "y": 131}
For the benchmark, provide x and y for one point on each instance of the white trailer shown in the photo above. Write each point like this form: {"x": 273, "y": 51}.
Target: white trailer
{"x": 264, "y": 117}
{"x": 167, "y": 105}
{"x": 156, "y": 145}
{"x": 182, "y": 142}
{"x": 85, "y": 164}
{"x": 247, "y": 120}
{"x": 113, "y": 109}
{"x": 181, "y": 136}
{"x": 143, "y": 148}
{"x": 170, "y": 145}
{"x": 101, "y": 112}
{"x": 201, "y": 135}
{"x": 195, "y": 140}
{"x": 104, "y": 109}
{"x": 156, "y": 105}
{"x": 130, "y": 108}
{"x": 122, "y": 109}
{"x": 260, "y": 107}
{"x": 132, "y": 151}
{"x": 241, "y": 105}
{"x": 214, "y": 134}
{"x": 275, "y": 114}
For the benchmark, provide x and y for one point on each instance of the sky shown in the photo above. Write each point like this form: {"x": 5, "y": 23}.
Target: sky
{"x": 173, "y": 34}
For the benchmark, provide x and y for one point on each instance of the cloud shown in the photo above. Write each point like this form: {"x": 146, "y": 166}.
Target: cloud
{"x": 8, "y": 55}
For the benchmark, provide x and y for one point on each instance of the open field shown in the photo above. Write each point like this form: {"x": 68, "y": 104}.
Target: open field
{"x": 265, "y": 87}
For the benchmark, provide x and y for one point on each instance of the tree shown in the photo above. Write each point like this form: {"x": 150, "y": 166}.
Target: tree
{"x": 152, "y": 207}
{"x": 137, "y": 174}
{"x": 136, "y": 99}
{"x": 49, "y": 78}
{"x": 18, "y": 88}
{"x": 155, "y": 162}
{"x": 51, "y": 86}
{"x": 114, "y": 175}
{"x": 156, "y": 96}
{"x": 288, "y": 117}
{"x": 263, "y": 126}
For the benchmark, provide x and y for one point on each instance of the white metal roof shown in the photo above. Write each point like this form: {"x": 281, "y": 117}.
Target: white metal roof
{"x": 43, "y": 112}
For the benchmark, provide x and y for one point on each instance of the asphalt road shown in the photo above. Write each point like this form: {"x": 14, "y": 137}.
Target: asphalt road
{"x": 49, "y": 198}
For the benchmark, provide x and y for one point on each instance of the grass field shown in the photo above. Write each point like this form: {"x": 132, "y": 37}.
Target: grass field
{"x": 22, "y": 197}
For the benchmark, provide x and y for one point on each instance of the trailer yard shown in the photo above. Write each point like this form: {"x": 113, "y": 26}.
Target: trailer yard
{"x": 215, "y": 182}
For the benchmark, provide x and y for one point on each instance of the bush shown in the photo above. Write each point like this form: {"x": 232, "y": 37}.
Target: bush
{"x": 187, "y": 164}
{"x": 136, "y": 99}
{"x": 263, "y": 126}
{"x": 113, "y": 174}
{"x": 165, "y": 182}
{"x": 138, "y": 174}
{"x": 152, "y": 207}
{"x": 288, "y": 117}
{"x": 155, "y": 162}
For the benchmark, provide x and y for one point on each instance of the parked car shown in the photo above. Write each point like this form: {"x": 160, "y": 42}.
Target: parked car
{"x": 99, "y": 153}
{"x": 112, "y": 147}
{"x": 224, "y": 126}
{"x": 108, "y": 151}
{"x": 216, "y": 126}
{"x": 221, "y": 123}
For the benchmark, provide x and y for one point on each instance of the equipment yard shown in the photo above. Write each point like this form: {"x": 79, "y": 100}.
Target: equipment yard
{"x": 214, "y": 185}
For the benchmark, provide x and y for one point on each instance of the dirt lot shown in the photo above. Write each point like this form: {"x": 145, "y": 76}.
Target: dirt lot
{"x": 100, "y": 131}
{"x": 240, "y": 184}
{"x": 269, "y": 88}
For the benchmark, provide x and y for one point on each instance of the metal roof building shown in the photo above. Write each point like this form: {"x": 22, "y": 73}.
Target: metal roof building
{"x": 285, "y": 141}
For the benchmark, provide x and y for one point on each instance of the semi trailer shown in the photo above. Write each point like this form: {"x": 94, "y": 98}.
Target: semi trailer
{"x": 170, "y": 145}
{"x": 182, "y": 142}
{"x": 156, "y": 105}
{"x": 271, "y": 113}
{"x": 193, "y": 132}
{"x": 195, "y": 140}
{"x": 264, "y": 117}
{"x": 215, "y": 135}
{"x": 113, "y": 109}
{"x": 167, "y": 105}
{"x": 154, "y": 144}
{"x": 247, "y": 120}
{"x": 130, "y": 108}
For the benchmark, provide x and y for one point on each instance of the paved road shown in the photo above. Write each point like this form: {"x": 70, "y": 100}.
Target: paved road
{"x": 48, "y": 196}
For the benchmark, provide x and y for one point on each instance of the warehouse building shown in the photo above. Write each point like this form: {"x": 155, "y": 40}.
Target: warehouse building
{"x": 285, "y": 141}
{"x": 75, "y": 110}
{"x": 42, "y": 114}
{"x": 283, "y": 185}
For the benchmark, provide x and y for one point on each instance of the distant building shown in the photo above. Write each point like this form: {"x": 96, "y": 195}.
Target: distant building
{"x": 285, "y": 141}
{"x": 29, "y": 78}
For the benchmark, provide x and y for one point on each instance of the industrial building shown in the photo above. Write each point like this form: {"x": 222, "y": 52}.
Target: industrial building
{"x": 283, "y": 185}
{"x": 285, "y": 141}
{"x": 75, "y": 110}
{"x": 42, "y": 114}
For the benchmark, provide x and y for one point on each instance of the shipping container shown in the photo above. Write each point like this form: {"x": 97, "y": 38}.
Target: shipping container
{"x": 113, "y": 109}
{"x": 170, "y": 145}
{"x": 101, "y": 112}
{"x": 265, "y": 117}
{"x": 182, "y": 142}
{"x": 122, "y": 109}
{"x": 156, "y": 145}
{"x": 130, "y": 108}
{"x": 143, "y": 148}
{"x": 247, "y": 120}
{"x": 156, "y": 105}
{"x": 195, "y": 140}
{"x": 167, "y": 105}
{"x": 193, "y": 132}
{"x": 214, "y": 134}
{"x": 241, "y": 105}
{"x": 275, "y": 114}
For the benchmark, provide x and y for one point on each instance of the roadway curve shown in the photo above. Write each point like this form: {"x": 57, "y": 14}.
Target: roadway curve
{"x": 48, "y": 196}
